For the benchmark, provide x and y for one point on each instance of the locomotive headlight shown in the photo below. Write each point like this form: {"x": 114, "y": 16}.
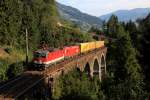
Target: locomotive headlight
{"x": 40, "y": 61}
{"x": 35, "y": 61}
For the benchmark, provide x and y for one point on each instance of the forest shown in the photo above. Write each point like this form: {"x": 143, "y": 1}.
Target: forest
{"x": 128, "y": 44}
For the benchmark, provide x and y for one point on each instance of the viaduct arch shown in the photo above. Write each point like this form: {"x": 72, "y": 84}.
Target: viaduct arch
{"x": 96, "y": 66}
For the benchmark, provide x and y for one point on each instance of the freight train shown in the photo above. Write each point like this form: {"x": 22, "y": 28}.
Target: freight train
{"x": 45, "y": 57}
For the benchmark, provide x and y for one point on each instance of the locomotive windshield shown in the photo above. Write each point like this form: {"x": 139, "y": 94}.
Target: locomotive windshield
{"x": 40, "y": 54}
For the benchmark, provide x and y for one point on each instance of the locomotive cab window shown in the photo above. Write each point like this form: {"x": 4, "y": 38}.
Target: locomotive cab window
{"x": 40, "y": 54}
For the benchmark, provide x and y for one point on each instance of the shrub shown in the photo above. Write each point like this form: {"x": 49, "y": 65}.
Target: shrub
{"x": 15, "y": 69}
{"x": 3, "y": 68}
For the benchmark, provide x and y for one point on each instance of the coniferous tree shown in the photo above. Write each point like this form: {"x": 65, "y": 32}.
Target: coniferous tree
{"x": 112, "y": 25}
{"x": 135, "y": 35}
{"x": 78, "y": 87}
{"x": 49, "y": 20}
{"x": 30, "y": 21}
{"x": 145, "y": 49}
{"x": 127, "y": 80}
{"x": 10, "y": 15}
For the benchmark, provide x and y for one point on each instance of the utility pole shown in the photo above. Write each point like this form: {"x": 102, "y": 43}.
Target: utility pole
{"x": 27, "y": 47}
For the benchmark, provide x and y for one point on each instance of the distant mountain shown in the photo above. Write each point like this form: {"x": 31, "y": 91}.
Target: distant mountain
{"x": 126, "y": 15}
{"x": 84, "y": 21}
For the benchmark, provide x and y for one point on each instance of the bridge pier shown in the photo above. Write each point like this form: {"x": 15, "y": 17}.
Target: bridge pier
{"x": 103, "y": 66}
{"x": 49, "y": 84}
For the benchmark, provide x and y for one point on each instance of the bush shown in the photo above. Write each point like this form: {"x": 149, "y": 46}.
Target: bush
{"x": 8, "y": 50}
{"x": 15, "y": 69}
{"x": 74, "y": 86}
{"x": 3, "y": 68}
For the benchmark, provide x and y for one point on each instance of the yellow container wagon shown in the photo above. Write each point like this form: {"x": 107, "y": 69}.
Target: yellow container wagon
{"x": 99, "y": 44}
{"x": 84, "y": 47}
{"x": 89, "y": 46}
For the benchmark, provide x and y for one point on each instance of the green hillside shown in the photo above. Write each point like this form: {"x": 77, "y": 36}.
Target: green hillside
{"x": 40, "y": 18}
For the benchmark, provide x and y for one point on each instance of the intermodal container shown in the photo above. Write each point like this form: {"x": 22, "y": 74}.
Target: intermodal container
{"x": 91, "y": 46}
{"x": 99, "y": 44}
{"x": 84, "y": 47}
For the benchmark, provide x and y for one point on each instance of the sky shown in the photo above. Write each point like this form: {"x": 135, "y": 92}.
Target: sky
{"x": 101, "y": 7}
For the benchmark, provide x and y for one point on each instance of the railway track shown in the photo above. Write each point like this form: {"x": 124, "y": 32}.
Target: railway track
{"x": 33, "y": 83}
{"x": 19, "y": 85}
{"x": 10, "y": 82}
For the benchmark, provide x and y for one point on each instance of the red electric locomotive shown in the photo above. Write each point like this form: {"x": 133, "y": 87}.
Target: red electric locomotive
{"x": 43, "y": 58}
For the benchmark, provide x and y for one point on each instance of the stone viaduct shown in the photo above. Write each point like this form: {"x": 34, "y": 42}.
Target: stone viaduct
{"x": 92, "y": 63}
